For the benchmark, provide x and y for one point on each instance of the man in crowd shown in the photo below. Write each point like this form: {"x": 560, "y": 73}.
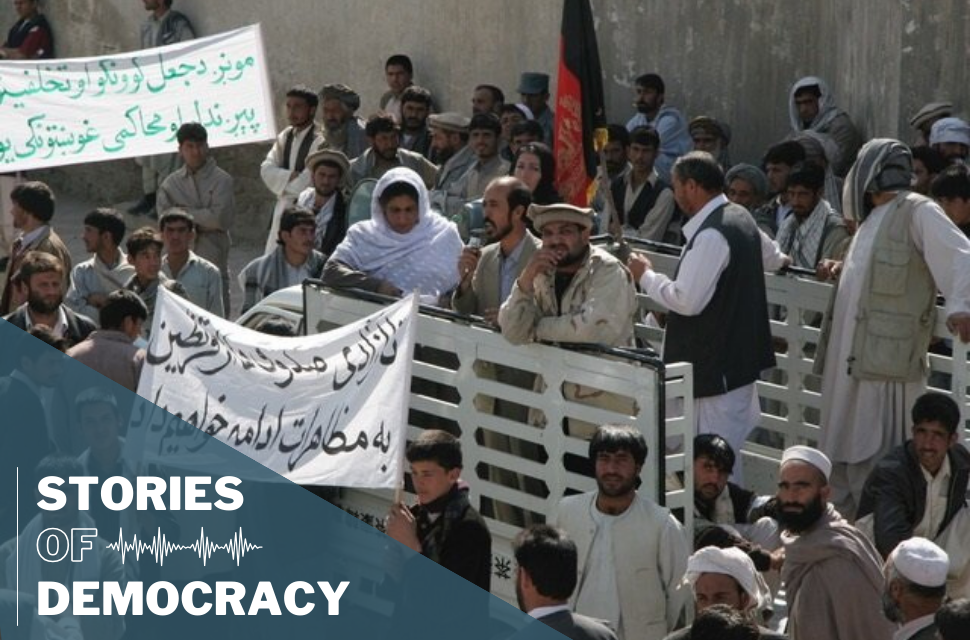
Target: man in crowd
{"x": 811, "y": 106}
{"x": 915, "y": 588}
{"x": 163, "y": 26}
{"x": 399, "y": 74}
{"x": 534, "y": 92}
{"x": 342, "y": 130}
{"x": 918, "y": 488}
{"x": 110, "y": 350}
{"x": 927, "y": 164}
{"x": 42, "y": 275}
{"x": 32, "y": 207}
{"x": 325, "y": 199}
{"x": 951, "y": 190}
{"x": 483, "y": 139}
{"x": 747, "y": 186}
{"x": 718, "y": 308}
{"x": 385, "y": 153}
{"x": 205, "y": 192}
{"x": 293, "y": 261}
{"x": 415, "y": 109}
{"x": 814, "y": 232}
{"x": 616, "y": 151}
{"x": 951, "y": 137}
{"x": 488, "y": 274}
{"x": 824, "y": 556}
{"x": 923, "y": 120}
{"x": 202, "y": 280}
{"x": 644, "y": 202}
{"x": 30, "y": 38}
{"x": 569, "y": 291}
{"x": 487, "y": 98}
{"x": 726, "y": 577}
{"x": 282, "y": 170}
{"x": 712, "y": 136}
{"x": 669, "y": 123}
{"x": 449, "y": 144}
{"x": 545, "y": 579}
{"x": 442, "y": 526}
{"x": 106, "y": 271}
{"x": 873, "y": 349}
{"x": 634, "y": 551}
{"x": 144, "y": 247}
{"x": 778, "y": 162}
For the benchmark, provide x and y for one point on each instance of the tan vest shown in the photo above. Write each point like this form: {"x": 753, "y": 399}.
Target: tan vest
{"x": 897, "y": 312}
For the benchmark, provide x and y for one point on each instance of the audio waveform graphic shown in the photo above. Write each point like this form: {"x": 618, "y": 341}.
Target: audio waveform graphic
{"x": 160, "y": 547}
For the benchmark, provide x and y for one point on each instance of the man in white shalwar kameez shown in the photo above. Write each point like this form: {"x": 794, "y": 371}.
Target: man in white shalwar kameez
{"x": 881, "y": 323}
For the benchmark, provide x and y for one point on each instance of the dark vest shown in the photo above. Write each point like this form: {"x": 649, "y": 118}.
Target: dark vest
{"x": 645, "y": 201}
{"x": 729, "y": 342}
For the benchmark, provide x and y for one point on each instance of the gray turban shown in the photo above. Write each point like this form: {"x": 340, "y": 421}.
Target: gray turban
{"x": 750, "y": 174}
{"x": 341, "y": 92}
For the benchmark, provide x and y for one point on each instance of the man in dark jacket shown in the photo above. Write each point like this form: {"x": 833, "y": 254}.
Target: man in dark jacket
{"x": 920, "y": 486}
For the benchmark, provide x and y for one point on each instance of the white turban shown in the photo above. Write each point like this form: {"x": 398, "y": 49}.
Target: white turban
{"x": 921, "y": 561}
{"x": 730, "y": 562}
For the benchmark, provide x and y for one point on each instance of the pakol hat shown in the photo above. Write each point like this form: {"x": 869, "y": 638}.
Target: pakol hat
{"x": 543, "y": 214}
{"x": 931, "y": 111}
{"x": 449, "y": 121}
{"x": 332, "y": 155}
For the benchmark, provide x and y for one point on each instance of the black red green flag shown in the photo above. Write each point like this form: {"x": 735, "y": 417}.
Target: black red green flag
{"x": 579, "y": 103}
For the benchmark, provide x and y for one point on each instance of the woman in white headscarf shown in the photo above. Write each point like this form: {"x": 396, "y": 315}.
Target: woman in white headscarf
{"x": 404, "y": 247}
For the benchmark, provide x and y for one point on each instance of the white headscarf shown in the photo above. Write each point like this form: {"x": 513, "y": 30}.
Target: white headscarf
{"x": 425, "y": 258}
{"x": 826, "y": 104}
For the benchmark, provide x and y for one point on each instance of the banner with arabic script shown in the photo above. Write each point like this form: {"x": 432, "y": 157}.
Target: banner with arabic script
{"x": 326, "y": 409}
{"x": 59, "y": 112}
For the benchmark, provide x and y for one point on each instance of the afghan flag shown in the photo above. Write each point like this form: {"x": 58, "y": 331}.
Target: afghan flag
{"x": 579, "y": 103}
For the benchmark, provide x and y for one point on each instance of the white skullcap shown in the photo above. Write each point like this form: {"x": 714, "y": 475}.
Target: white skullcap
{"x": 921, "y": 561}
{"x": 812, "y": 456}
{"x": 730, "y": 562}
{"x": 950, "y": 130}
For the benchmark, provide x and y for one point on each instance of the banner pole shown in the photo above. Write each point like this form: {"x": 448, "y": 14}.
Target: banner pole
{"x": 412, "y": 321}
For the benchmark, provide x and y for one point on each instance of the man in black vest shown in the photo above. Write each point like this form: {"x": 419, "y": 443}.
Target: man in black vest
{"x": 718, "y": 311}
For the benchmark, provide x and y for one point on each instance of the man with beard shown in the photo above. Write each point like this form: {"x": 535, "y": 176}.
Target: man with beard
{"x": 415, "y": 109}
{"x": 669, "y": 122}
{"x": 916, "y": 573}
{"x": 545, "y": 578}
{"x": 325, "y": 198}
{"x": 487, "y": 98}
{"x": 483, "y": 139}
{"x": 282, "y": 170}
{"x": 951, "y": 137}
{"x": 449, "y": 147}
{"x": 385, "y": 153}
{"x": 342, "y": 130}
{"x": 814, "y": 232}
{"x": 633, "y": 551}
{"x": 825, "y": 556}
{"x": 42, "y": 275}
{"x": 488, "y": 274}
{"x": 569, "y": 291}
{"x": 718, "y": 308}
{"x": 919, "y": 488}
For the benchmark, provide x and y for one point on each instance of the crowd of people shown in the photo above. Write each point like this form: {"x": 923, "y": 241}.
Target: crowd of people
{"x": 463, "y": 209}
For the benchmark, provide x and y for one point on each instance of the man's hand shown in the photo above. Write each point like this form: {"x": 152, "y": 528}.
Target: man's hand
{"x": 828, "y": 269}
{"x": 402, "y": 527}
{"x": 778, "y": 559}
{"x": 542, "y": 261}
{"x": 638, "y": 264}
{"x": 959, "y": 325}
{"x": 388, "y": 289}
{"x": 467, "y": 264}
{"x": 491, "y": 315}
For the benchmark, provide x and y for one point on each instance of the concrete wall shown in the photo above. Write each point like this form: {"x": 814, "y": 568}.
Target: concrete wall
{"x": 732, "y": 59}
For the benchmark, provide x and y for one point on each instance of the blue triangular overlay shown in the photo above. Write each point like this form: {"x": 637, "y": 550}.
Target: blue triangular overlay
{"x": 393, "y": 592}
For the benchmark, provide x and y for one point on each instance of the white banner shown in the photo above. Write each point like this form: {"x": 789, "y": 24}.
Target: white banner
{"x": 58, "y": 112}
{"x": 328, "y": 409}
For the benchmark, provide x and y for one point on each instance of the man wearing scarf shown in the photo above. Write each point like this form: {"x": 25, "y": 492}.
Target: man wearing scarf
{"x": 875, "y": 337}
{"x": 811, "y": 106}
{"x": 442, "y": 526}
{"x": 814, "y": 231}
